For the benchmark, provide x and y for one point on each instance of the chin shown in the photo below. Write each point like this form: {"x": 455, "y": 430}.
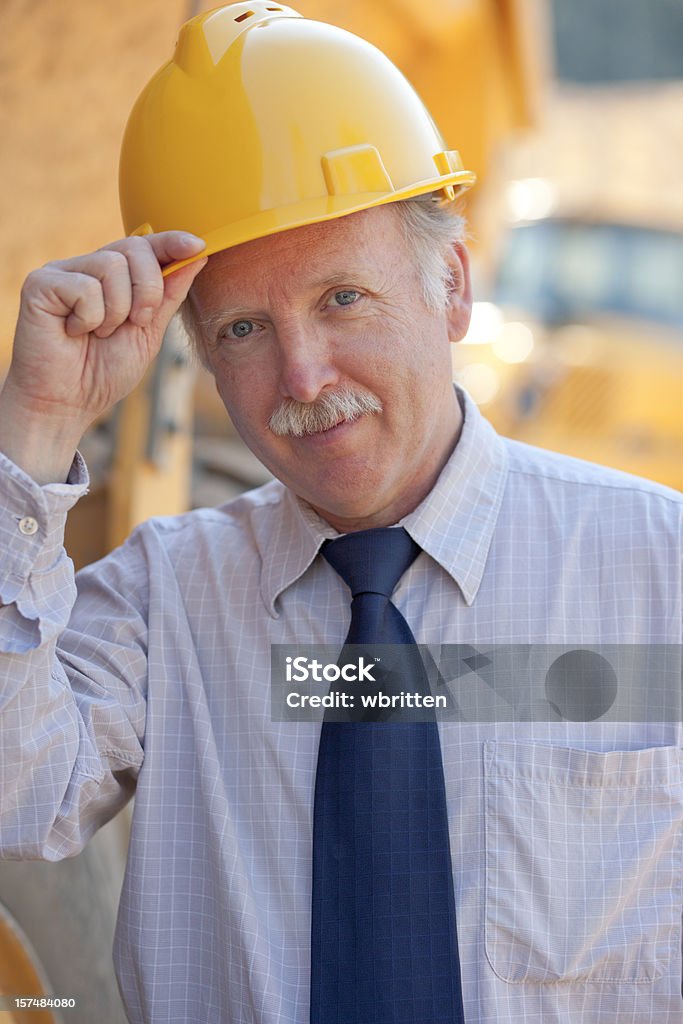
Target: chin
{"x": 339, "y": 510}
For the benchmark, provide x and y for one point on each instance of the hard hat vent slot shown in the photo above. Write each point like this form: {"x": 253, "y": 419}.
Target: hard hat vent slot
{"x": 273, "y": 8}
{"x": 243, "y": 17}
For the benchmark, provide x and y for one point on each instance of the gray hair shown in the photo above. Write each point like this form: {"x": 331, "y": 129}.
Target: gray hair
{"x": 430, "y": 227}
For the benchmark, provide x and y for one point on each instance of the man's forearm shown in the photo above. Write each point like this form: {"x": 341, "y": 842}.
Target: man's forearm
{"x": 41, "y": 443}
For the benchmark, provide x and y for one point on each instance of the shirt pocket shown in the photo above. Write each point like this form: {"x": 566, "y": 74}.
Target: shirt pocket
{"x": 583, "y": 863}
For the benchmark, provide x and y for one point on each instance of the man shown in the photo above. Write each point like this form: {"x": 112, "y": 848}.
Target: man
{"x": 328, "y": 336}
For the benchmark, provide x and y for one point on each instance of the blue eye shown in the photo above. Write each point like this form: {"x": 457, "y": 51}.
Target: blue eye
{"x": 346, "y": 297}
{"x": 241, "y": 328}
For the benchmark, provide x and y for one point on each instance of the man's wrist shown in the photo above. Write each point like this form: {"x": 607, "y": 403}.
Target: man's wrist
{"x": 42, "y": 446}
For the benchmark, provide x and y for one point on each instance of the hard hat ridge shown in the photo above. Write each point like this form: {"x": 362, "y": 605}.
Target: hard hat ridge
{"x": 219, "y": 29}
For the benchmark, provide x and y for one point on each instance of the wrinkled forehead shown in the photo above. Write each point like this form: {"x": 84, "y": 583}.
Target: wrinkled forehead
{"x": 366, "y": 243}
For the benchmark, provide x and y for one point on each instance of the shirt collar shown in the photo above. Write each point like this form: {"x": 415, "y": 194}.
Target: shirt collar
{"x": 289, "y": 539}
{"x": 456, "y": 521}
{"x": 454, "y": 524}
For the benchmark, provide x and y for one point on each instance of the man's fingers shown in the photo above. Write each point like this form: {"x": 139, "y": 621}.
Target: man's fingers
{"x": 169, "y": 246}
{"x": 111, "y": 270}
{"x": 180, "y": 281}
{"x": 145, "y": 255}
{"x": 77, "y": 298}
{"x": 83, "y": 294}
{"x": 100, "y": 291}
{"x": 178, "y": 285}
{"x": 144, "y": 272}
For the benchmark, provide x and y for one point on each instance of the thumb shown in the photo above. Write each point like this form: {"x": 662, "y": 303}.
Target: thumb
{"x": 176, "y": 287}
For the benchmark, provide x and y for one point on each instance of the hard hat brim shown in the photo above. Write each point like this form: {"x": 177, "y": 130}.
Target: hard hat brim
{"x": 311, "y": 211}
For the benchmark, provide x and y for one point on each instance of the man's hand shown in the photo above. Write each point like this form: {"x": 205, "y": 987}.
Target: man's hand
{"x": 88, "y": 328}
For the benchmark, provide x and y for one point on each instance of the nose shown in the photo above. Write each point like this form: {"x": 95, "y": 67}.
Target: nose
{"x": 306, "y": 364}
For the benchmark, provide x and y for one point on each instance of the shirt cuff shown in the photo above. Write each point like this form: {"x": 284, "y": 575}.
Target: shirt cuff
{"x": 32, "y": 519}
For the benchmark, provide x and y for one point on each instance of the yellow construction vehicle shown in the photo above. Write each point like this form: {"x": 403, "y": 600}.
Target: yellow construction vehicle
{"x": 580, "y": 348}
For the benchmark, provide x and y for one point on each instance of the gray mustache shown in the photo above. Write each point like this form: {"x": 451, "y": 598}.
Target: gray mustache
{"x": 296, "y": 419}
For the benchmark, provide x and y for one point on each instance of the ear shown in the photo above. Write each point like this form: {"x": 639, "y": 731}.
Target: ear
{"x": 459, "y": 309}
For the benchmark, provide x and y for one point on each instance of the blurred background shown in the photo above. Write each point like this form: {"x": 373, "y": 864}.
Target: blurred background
{"x": 577, "y": 344}
{"x": 571, "y": 114}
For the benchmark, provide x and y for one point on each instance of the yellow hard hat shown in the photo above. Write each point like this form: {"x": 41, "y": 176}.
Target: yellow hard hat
{"x": 265, "y": 120}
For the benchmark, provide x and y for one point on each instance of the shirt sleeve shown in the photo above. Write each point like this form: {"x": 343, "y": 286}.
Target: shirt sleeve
{"x": 72, "y": 674}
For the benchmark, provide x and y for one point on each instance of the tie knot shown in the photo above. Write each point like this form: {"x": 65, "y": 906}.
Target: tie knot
{"x": 372, "y": 561}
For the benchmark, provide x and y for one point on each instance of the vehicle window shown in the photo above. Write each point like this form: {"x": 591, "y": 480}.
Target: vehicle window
{"x": 564, "y": 270}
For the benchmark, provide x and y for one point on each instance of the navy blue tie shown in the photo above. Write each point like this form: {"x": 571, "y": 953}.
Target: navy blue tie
{"x": 383, "y": 939}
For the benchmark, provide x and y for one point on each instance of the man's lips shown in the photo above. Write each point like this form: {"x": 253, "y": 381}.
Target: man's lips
{"x": 331, "y": 433}
{"x": 333, "y": 427}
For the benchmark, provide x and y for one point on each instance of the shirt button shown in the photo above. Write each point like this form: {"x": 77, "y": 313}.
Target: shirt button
{"x": 28, "y": 526}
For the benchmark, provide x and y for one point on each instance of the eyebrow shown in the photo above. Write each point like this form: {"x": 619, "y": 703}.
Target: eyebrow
{"x": 208, "y": 323}
{"x": 213, "y": 320}
{"x": 344, "y": 278}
